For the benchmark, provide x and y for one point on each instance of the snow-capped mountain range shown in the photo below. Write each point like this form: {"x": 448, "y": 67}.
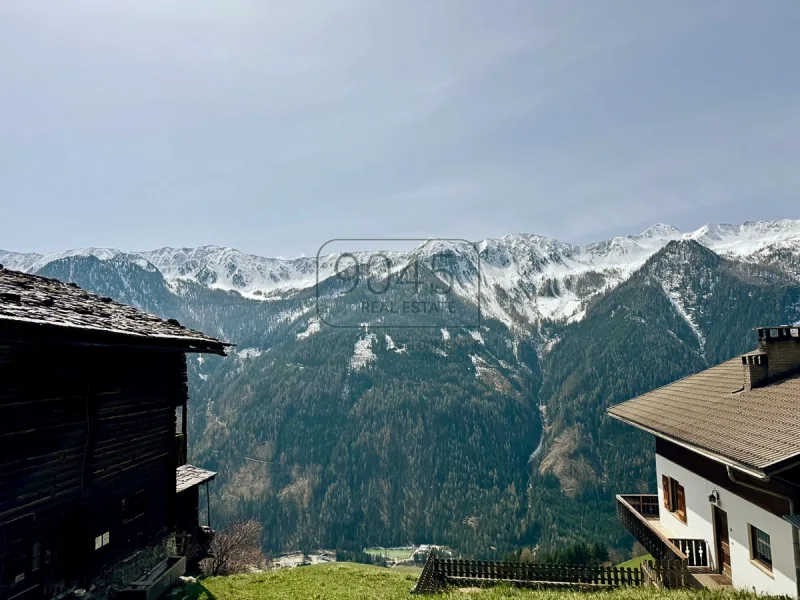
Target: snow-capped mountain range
{"x": 566, "y": 330}
{"x": 523, "y": 277}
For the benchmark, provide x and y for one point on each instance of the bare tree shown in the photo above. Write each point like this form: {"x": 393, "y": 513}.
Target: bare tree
{"x": 235, "y": 549}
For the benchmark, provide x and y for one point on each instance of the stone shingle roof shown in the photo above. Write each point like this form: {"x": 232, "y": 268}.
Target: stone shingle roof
{"x": 711, "y": 412}
{"x": 26, "y": 298}
{"x": 188, "y": 476}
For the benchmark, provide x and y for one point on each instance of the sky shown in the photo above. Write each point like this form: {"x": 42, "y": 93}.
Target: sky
{"x": 273, "y": 126}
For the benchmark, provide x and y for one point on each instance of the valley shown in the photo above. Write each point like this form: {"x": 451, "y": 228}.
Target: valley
{"x": 484, "y": 434}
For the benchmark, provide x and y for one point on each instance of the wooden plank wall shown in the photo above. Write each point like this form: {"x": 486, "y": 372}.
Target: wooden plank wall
{"x": 82, "y": 428}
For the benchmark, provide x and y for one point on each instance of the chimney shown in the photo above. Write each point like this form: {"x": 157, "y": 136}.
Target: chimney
{"x": 756, "y": 372}
{"x": 777, "y": 356}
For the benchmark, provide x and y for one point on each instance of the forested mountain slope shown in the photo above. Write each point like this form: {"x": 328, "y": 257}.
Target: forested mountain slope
{"x": 686, "y": 309}
{"x": 485, "y": 434}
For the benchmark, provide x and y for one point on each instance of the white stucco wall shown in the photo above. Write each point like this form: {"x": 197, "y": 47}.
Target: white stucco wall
{"x": 699, "y": 524}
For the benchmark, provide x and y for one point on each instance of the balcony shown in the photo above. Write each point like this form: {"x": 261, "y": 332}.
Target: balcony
{"x": 638, "y": 513}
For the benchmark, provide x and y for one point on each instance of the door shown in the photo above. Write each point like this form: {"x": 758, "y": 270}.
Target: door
{"x": 723, "y": 543}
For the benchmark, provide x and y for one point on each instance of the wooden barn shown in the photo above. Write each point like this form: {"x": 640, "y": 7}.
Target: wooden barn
{"x": 93, "y": 398}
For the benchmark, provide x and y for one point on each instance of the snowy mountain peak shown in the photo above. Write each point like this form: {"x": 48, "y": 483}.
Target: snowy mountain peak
{"x": 523, "y": 276}
{"x": 32, "y": 262}
{"x": 659, "y": 230}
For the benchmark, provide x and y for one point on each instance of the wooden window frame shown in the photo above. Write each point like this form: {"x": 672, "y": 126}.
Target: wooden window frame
{"x": 134, "y": 506}
{"x": 36, "y": 556}
{"x": 755, "y": 554}
{"x": 674, "y": 497}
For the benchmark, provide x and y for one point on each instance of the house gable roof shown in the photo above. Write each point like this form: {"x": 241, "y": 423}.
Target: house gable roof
{"x": 710, "y": 412}
{"x": 32, "y": 300}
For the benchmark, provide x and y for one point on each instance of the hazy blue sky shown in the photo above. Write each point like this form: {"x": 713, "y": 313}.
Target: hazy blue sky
{"x": 272, "y": 126}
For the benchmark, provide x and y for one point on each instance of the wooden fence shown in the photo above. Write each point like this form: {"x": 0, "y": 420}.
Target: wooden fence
{"x": 439, "y": 572}
{"x": 667, "y": 574}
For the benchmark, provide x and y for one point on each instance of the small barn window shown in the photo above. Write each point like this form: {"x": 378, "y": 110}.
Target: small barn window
{"x": 760, "y": 547}
{"x": 134, "y": 506}
{"x": 36, "y": 554}
{"x": 102, "y": 540}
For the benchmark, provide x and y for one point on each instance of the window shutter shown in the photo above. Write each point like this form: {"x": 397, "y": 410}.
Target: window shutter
{"x": 665, "y": 491}
{"x": 681, "y": 508}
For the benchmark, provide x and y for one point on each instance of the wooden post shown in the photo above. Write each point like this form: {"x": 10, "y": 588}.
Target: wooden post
{"x": 208, "y": 507}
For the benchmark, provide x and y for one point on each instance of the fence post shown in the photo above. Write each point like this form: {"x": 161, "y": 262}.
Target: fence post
{"x": 428, "y": 579}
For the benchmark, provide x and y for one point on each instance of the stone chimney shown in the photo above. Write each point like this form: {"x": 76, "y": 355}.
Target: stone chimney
{"x": 777, "y": 356}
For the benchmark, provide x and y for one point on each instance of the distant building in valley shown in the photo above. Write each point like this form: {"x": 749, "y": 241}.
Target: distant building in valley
{"x": 93, "y": 480}
{"x": 728, "y": 468}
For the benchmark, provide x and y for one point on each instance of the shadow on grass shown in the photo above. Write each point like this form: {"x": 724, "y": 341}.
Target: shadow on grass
{"x": 194, "y": 591}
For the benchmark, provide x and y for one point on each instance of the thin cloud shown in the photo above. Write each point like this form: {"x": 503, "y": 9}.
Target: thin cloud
{"x": 274, "y": 125}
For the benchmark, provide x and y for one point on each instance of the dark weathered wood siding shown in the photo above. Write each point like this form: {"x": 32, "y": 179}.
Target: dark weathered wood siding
{"x": 81, "y": 429}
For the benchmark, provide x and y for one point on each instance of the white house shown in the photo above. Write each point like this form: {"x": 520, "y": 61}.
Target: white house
{"x": 728, "y": 468}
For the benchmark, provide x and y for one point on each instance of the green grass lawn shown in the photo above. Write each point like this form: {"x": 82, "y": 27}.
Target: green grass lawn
{"x": 635, "y": 562}
{"x": 407, "y": 569}
{"x": 348, "y": 581}
{"x": 389, "y": 553}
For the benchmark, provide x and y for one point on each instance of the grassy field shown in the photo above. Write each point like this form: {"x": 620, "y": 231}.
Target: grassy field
{"x": 347, "y": 581}
{"x": 407, "y": 569}
{"x": 389, "y": 553}
{"x": 635, "y": 562}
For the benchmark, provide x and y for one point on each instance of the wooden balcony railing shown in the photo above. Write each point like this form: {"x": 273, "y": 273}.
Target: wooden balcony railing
{"x": 645, "y": 504}
{"x": 637, "y": 513}
{"x": 696, "y": 551}
{"x": 657, "y": 544}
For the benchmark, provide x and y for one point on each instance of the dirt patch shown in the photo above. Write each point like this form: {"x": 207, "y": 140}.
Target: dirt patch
{"x": 562, "y": 460}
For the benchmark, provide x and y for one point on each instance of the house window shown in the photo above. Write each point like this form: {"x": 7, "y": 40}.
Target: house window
{"x": 134, "y": 506}
{"x": 674, "y": 497}
{"x": 102, "y": 540}
{"x": 760, "y": 547}
{"x": 36, "y": 556}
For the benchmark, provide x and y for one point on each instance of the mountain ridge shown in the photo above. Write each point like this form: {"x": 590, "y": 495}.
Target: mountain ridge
{"x": 524, "y": 278}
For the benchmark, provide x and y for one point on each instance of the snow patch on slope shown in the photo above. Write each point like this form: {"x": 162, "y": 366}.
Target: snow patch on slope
{"x": 680, "y": 305}
{"x": 362, "y": 353}
{"x": 290, "y": 316}
{"x": 477, "y": 336}
{"x": 313, "y": 327}
{"x": 390, "y": 345}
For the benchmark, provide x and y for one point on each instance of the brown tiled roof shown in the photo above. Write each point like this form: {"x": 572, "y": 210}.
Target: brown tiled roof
{"x": 188, "y": 476}
{"x": 33, "y": 299}
{"x": 710, "y": 412}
